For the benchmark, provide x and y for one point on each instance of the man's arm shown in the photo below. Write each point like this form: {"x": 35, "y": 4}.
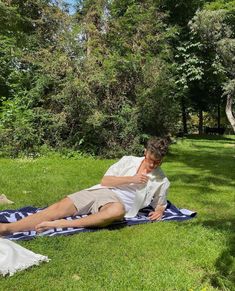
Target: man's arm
{"x": 161, "y": 203}
{"x": 115, "y": 181}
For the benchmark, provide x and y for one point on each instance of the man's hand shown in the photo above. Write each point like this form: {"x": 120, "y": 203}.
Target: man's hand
{"x": 140, "y": 179}
{"x": 45, "y": 225}
{"x": 156, "y": 215}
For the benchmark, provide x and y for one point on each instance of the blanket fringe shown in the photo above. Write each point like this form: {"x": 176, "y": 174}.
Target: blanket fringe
{"x": 20, "y": 267}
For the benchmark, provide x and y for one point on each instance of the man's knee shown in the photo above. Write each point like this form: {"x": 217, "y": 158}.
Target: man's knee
{"x": 119, "y": 211}
{"x": 115, "y": 211}
{"x": 62, "y": 207}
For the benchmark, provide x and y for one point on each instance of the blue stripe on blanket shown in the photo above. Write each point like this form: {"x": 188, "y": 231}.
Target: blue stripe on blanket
{"x": 171, "y": 213}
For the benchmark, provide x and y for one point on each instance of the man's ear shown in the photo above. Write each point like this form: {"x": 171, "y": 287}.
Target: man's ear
{"x": 145, "y": 152}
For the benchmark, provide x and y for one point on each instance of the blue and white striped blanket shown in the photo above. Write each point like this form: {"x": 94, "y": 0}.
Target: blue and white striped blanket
{"x": 171, "y": 213}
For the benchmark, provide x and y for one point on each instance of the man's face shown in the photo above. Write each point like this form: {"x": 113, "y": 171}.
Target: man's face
{"x": 151, "y": 161}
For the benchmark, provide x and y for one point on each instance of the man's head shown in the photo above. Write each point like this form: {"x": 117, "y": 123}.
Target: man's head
{"x": 155, "y": 150}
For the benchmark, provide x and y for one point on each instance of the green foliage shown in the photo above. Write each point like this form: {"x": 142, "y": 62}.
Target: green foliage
{"x": 102, "y": 80}
{"x": 215, "y": 28}
{"x": 115, "y": 75}
{"x": 181, "y": 12}
{"x": 15, "y": 128}
{"x": 190, "y": 65}
{"x": 220, "y": 4}
{"x": 159, "y": 106}
{"x": 201, "y": 67}
{"x": 229, "y": 88}
{"x": 210, "y": 26}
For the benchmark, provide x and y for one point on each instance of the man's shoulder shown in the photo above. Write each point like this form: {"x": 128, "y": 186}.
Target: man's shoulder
{"x": 159, "y": 174}
{"x": 131, "y": 158}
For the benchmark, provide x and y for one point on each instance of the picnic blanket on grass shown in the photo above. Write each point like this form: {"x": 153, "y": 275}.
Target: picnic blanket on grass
{"x": 171, "y": 213}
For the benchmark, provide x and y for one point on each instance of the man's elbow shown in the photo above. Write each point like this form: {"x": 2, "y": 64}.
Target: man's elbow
{"x": 103, "y": 182}
{"x": 106, "y": 181}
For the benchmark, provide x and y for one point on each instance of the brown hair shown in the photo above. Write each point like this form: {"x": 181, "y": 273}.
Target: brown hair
{"x": 158, "y": 146}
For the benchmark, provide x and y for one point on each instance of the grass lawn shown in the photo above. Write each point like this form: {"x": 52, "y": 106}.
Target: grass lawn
{"x": 192, "y": 255}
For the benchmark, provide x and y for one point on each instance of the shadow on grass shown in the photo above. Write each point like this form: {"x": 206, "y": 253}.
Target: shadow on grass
{"x": 210, "y": 137}
{"x": 230, "y": 145}
{"x": 214, "y": 166}
{"x": 218, "y": 165}
{"x": 201, "y": 180}
{"x": 224, "y": 277}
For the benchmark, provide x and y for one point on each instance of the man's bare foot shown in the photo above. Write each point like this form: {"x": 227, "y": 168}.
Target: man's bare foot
{"x": 3, "y": 229}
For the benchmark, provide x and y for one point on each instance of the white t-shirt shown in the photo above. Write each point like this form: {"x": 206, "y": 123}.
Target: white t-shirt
{"x": 126, "y": 194}
{"x": 137, "y": 197}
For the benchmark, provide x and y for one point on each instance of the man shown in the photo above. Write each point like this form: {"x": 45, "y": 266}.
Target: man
{"x": 129, "y": 185}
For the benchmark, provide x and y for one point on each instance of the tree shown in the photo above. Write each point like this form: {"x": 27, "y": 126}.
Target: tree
{"x": 215, "y": 26}
{"x": 188, "y": 61}
{"x": 126, "y": 72}
{"x": 32, "y": 111}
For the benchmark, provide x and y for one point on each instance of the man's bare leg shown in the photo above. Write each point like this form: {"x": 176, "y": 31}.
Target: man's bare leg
{"x": 108, "y": 213}
{"x": 61, "y": 209}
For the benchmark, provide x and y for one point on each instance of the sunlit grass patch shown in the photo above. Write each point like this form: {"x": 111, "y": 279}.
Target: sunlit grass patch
{"x": 192, "y": 255}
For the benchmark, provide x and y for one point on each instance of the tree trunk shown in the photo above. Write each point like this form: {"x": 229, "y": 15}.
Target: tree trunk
{"x": 184, "y": 116}
{"x": 200, "y": 123}
{"x": 229, "y": 111}
{"x": 218, "y": 116}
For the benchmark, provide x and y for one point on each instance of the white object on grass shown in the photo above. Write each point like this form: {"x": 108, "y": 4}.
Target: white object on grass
{"x": 5, "y": 200}
{"x": 14, "y": 257}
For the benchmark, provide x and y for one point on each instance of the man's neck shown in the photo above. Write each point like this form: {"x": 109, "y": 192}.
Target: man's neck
{"x": 143, "y": 169}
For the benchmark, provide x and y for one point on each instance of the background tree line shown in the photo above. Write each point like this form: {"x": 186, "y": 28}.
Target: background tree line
{"x": 105, "y": 78}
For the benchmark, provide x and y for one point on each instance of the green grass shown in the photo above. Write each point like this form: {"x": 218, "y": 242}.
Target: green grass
{"x": 193, "y": 255}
